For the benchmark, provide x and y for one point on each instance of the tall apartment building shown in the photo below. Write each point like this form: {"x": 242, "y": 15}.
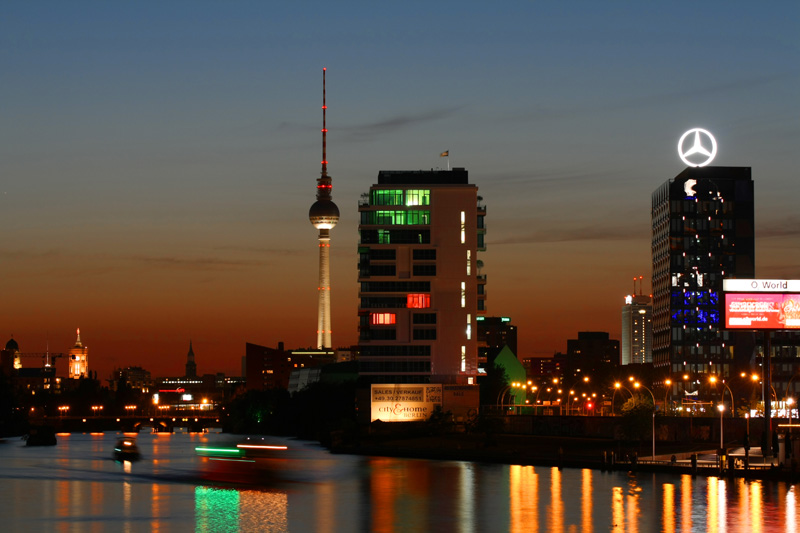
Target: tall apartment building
{"x": 420, "y": 286}
{"x": 637, "y": 330}
{"x": 702, "y": 232}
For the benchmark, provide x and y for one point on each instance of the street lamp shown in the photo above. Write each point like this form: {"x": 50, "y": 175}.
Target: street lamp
{"x": 721, "y": 408}
{"x": 63, "y": 409}
{"x": 637, "y": 385}
{"x": 618, "y": 386}
{"x": 713, "y": 381}
{"x": 97, "y": 408}
{"x": 789, "y": 402}
{"x": 667, "y": 389}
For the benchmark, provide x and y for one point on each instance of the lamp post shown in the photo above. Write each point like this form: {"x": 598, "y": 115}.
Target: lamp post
{"x": 637, "y": 385}
{"x": 668, "y": 388}
{"x": 713, "y": 380}
{"x": 721, "y": 408}
{"x": 618, "y": 386}
{"x": 789, "y": 403}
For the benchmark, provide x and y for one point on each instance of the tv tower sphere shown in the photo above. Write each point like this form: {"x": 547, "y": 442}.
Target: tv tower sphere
{"x": 324, "y": 214}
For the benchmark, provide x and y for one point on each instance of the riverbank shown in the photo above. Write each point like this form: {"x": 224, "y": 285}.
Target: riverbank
{"x": 574, "y": 452}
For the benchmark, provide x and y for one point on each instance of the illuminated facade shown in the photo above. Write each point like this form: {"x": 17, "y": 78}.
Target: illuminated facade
{"x": 324, "y": 215}
{"x": 420, "y": 287}
{"x": 637, "y": 330}
{"x": 702, "y": 229}
{"x": 79, "y": 359}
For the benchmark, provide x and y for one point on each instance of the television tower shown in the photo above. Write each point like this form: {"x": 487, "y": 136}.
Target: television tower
{"x": 324, "y": 215}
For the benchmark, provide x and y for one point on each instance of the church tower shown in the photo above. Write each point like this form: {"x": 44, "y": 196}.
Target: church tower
{"x": 79, "y": 359}
{"x": 191, "y": 367}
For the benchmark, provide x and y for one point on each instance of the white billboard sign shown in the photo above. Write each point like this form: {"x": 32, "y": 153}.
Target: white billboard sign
{"x": 761, "y": 285}
{"x": 404, "y": 402}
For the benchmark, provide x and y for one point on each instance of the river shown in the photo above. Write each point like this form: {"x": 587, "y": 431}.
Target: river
{"x": 77, "y": 486}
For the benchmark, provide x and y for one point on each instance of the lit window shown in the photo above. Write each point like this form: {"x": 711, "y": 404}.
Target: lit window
{"x": 418, "y": 197}
{"x": 418, "y": 301}
{"x": 469, "y": 326}
{"x": 469, "y": 262}
{"x": 463, "y": 358}
{"x": 380, "y": 319}
{"x": 463, "y": 294}
{"x": 463, "y": 227}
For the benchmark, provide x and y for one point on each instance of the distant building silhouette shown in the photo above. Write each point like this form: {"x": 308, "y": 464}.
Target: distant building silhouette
{"x": 592, "y": 353}
{"x": 271, "y": 368}
{"x": 191, "y": 366}
{"x": 494, "y": 332}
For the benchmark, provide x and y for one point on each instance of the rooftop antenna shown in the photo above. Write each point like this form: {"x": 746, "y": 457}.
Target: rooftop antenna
{"x": 324, "y": 129}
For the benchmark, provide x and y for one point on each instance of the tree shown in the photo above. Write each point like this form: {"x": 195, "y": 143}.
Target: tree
{"x": 637, "y": 414}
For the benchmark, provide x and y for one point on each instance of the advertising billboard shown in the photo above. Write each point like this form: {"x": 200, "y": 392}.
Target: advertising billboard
{"x": 762, "y": 310}
{"x": 404, "y": 402}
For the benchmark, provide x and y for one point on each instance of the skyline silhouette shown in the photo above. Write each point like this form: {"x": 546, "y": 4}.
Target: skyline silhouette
{"x": 157, "y": 161}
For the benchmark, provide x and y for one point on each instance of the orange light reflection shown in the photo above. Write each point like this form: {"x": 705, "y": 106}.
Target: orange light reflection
{"x": 668, "y": 508}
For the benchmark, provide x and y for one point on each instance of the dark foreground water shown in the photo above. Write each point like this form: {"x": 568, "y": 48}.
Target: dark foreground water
{"x": 76, "y": 486}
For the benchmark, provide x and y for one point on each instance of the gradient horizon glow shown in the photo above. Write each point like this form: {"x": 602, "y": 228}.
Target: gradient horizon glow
{"x": 156, "y": 159}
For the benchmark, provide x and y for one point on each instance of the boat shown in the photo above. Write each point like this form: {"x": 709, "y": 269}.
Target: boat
{"x": 253, "y": 460}
{"x": 41, "y": 436}
{"x": 126, "y": 450}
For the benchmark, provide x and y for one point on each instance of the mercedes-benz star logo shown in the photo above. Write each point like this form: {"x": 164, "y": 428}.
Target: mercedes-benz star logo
{"x": 697, "y": 155}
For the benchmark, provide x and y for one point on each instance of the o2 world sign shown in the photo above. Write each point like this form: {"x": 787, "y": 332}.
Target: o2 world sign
{"x": 697, "y": 147}
{"x": 762, "y": 304}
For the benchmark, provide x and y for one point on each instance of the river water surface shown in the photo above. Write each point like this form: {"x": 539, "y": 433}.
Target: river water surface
{"x": 76, "y": 486}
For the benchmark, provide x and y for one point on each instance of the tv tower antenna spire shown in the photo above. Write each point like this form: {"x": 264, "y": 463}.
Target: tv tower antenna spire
{"x": 324, "y": 215}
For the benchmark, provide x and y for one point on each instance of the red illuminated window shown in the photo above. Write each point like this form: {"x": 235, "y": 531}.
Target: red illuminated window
{"x": 380, "y": 319}
{"x": 419, "y": 301}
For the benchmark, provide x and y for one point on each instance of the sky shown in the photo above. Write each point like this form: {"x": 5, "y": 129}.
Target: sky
{"x": 158, "y": 159}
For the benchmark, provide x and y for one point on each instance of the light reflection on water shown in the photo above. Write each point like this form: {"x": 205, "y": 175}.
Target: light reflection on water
{"x": 75, "y": 486}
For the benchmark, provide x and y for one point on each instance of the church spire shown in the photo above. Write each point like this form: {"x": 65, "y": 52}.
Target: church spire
{"x": 78, "y": 343}
{"x": 191, "y": 366}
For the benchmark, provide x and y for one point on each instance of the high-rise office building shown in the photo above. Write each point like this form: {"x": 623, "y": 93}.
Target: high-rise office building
{"x": 702, "y": 233}
{"x": 420, "y": 288}
{"x": 324, "y": 215}
{"x": 637, "y": 330}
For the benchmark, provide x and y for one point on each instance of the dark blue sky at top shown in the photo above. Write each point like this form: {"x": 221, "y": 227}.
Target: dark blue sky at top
{"x": 171, "y": 147}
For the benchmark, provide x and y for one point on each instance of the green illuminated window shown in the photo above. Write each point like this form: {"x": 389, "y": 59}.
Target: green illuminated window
{"x": 396, "y": 218}
{"x": 410, "y": 197}
{"x": 387, "y": 197}
{"x": 418, "y": 197}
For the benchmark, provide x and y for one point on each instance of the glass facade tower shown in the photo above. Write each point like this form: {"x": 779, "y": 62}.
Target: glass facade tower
{"x": 702, "y": 232}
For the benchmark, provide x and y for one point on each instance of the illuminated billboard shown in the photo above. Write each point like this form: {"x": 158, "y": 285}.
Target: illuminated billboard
{"x": 404, "y": 402}
{"x": 762, "y": 310}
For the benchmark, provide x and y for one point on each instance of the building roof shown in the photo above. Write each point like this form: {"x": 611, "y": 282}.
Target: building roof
{"x": 12, "y": 345}
{"x": 457, "y": 176}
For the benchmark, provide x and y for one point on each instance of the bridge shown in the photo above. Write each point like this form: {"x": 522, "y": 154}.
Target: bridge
{"x": 157, "y": 424}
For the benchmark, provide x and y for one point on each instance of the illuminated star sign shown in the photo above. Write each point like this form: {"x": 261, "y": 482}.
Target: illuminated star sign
{"x": 697, "y": 154}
